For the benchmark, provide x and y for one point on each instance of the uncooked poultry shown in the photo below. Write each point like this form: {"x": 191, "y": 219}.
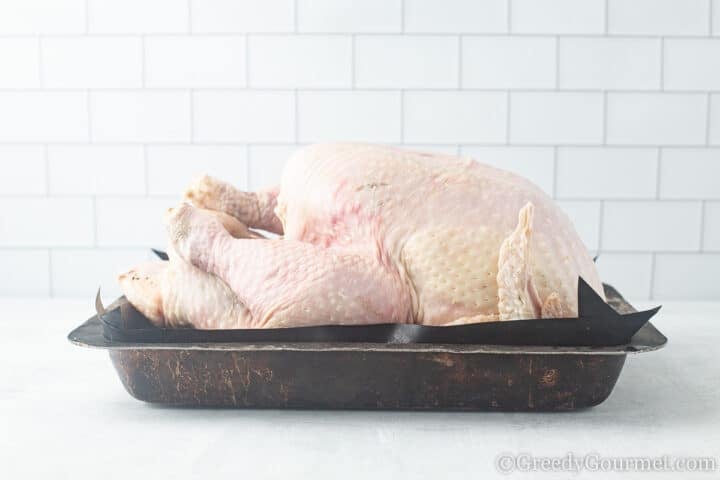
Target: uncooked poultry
{"x": 370, "y": 234}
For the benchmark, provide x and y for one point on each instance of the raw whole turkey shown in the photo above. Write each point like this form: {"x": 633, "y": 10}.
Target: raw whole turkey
{"x": 367, "y": 234}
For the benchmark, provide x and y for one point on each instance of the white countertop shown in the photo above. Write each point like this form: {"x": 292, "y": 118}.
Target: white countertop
{"x": 64, "y": 414}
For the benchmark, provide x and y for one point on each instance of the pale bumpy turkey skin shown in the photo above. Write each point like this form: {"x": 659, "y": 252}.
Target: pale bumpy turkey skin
{"x": 370, "y": 234}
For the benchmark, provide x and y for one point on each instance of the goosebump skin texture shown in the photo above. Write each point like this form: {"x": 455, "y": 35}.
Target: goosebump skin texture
{"x": 369, "y": 234}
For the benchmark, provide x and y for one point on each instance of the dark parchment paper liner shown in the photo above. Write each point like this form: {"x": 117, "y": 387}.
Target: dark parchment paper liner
{"x": 598, "y": 324}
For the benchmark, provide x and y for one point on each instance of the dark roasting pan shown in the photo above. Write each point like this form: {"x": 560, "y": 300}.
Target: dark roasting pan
{"x": 398, "y": 373}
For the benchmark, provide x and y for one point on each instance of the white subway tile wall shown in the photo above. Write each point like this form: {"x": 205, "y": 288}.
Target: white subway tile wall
{"x": 711, "y": 242}
{"x": 342, "y": 16}
{"x": 406, "y": 61}
{"x": 300, "y": 61}
{"x": 692, "y": 64}
{"x": 714, "y": 120}
{"x": 454, "y": 117}
{"x": 244, "y": 116}
{"x": 91, "y": 62}
{"x": 556, "y": 118}
{"x": 170, "y": 168}
{"x": 43, "y": 17}
{"x": 44, "y": 116}
{"x": 25, "y": 170}
{"x": 133, "y": 222}
{"x": 349, "y": 115}
{"x": 639, "y": 226}
{"x": 631, "y": 273}
{"x": 139, "y": 116}
{"x": 75, "y": 272}
{"x": 231, "y": 16}
{"x": 456, "y": 16}
{"x": 508, "y": 62}
{"x": 36, "y": 221}
{"x": 658, "y": 17}
{"x": 19, "y": 58}
{"x": 534, "y": 163}
{"x": 29, "y": 269}
{"x": 656, "y": 118}
{"x": 586, "y": 217}
{"x": 609, "y": 63}
{"x": 555, "y": 17}
{"x": 109, "y": 108}
{"x": 201, "y": 62}
{"x": 137, "y": 16}
{"x": 95, "y": 170}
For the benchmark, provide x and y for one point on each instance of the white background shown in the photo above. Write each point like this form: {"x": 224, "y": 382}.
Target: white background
{"x": 108, "y": 108}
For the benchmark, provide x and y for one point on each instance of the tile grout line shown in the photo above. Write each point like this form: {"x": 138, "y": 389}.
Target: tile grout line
{"x": 248, "y": 169}
{"x": 296, "y": 102}
{"x": 606, "y": 17}
{"x": 605, "y": 118}
{"x": 352, "y": 64}
{"x": 708, "y": 118}
{"x": 295, "y": 16}
{"x": 51, "y": 287}
{"x": 95, "y": 223}
{"x": 46, "y": 155}
{"x": 104, "y": 196}
{"x": 508, "y": 18}
{"x": 662, "y": 64}
{"x": 192, "y": 115}
{"x": 601, "y": 225}
{"x": 710, "y": 18}
{"x": 557, "y": 64}
{"x": 88, "y": 112}
{"x": 190, "y": 15}
{"x": 497, "y": 143}
{"x": 508, "y": 109}
{"x": 480, "y": 144}
{"x": 658, "y": 166}
{"x": 460, "y": 62}
{"x": 41, "y": 70}
{"x": 703, "y": 212}
{"x": 146, "y": 166}
{"x": 402, "y": 17}
{"x": 389, "y": 88}
{"x": 143, "y": 63}
{"x": 87, "y": 17}
{"x": 555, "y": 172}
{"x": 329, "y": 33}
{"x": 247, "y": 61}
{"x": 653, "y": 262}
{"x": 402, "y": 116}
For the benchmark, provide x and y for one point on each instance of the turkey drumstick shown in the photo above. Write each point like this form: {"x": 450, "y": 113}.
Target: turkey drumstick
{"x": 254, "y": 209}
{"x": 286, "y": 282}
{"x": 177, "y": 294}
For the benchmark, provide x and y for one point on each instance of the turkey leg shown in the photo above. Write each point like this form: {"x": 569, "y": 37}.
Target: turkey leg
{"x": 177, "y": 294}
{"x": 287, "y": 283}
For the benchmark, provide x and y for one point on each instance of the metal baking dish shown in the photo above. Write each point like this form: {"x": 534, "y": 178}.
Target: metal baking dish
{"x": 421, "y": 376}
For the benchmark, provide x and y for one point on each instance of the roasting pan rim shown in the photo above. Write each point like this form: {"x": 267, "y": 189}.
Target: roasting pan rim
{"x": 649, "y": 338}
